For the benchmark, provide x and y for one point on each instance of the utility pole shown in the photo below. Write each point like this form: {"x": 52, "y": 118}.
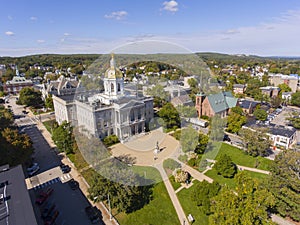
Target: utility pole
{"x": 110, "y": 215}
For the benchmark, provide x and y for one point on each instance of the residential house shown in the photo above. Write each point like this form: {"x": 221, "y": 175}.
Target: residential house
{"x": 270, "y": 91}
{"x": 15, "y": 85}
{"x": 247, "y": 106}
{"x": 293, "y": 81}
{"x": 239, "y": 88}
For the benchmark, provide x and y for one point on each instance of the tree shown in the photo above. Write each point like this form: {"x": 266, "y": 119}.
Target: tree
{"x": 295, "y": 121}
{"x": 256, "y": 141}
{"x": 15, "y": 148}
{"x": 189, "y": 139}
{"x": 63, "y": 137}
{"x": 192, "y": 82}
{"x": 30, "y": 97}
{"x": 170, "y": 116}
{"x": 225, "y": 166}
{"x": 247, "y": 205}
{"x": 217, "y": 128}
{"x": 284, "y": 183}
{"x": 49, "y": 102}
{"x": 235, "y": 121}
{"x": 260, "y": 114}
{"x": 203, "y": 193}
{"x": 202, "y": 143}
{"x": 110, "y": 140}
{"x": 122, "y": 197}
{"x": 159, "y": 94}
{"x": 284, "y": 88}
{"x": 186, "y": 111}
{"x": 296, "y": 99}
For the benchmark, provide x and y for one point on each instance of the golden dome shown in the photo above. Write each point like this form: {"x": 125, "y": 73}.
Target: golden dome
{"x": 113, "y": 72}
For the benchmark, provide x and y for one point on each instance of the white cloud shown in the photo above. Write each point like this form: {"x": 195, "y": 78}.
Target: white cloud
{"x": 40, "y": 41}
{"x": 33, "y": 18}
{"x": 171, "y": 6}
{"x": 9, "y": 33}
{"x": 117, "y": 15}
{"x": 9, "y": 17}
{"x": 67, "y": 34}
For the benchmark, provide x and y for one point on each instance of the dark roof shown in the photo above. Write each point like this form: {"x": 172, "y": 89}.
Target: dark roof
{"x": 273, "y": 128}
{"x": 246, "y": 104}
{"x": 16, "y": 207}
{"x": 239, "y": 86}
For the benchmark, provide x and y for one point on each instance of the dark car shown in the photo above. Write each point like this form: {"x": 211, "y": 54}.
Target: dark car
{"x": 50, "y": 206}
{"x": 226, "y": 138}
{"x": 65, "y": 168}
{"x": 43, "y": 196}
{"x": 93, "y": 214}
{"x": 51, "y": 218}
{"x": 73, "y": 184}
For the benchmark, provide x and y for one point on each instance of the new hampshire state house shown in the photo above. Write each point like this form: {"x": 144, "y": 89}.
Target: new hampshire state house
{"x": 119, "y": 109}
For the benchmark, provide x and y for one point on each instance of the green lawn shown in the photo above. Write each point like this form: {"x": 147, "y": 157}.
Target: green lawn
{"x": 230, "y": 182}
{"x": 175, "y": 184}
{"x": 238, "y": 156}
{"x": 190, "y": 207}
{"x": 220, "y": 179}
{"x": 159, "y": 211}
{"x": 48, "y": 124}
{"x": 148, "y": 173}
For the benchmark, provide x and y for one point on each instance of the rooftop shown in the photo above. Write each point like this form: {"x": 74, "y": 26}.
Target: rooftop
{"x": 15, "y": 205}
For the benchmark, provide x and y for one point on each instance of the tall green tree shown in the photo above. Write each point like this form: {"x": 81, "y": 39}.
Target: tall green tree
{"x": 247, "y": 204}
{"x": 284, "y": 183}
{"x": 225, "y": 166}
{"x": 63, "y": 137}
{"x": 49, "y": 102}
{"x": 189, "y": 139}
{"x": 256, "y": 141}
{"x": 296, "y": 99}
{"x": 170, "y": 116}
{"x": 30, "y": 97}
{"x": 260, "y": 114}
{"x": 235, "y": 121}
{"x": 202, "y": 143}
{"x": 284, "y": 88}
{"x": 203, "y": 193}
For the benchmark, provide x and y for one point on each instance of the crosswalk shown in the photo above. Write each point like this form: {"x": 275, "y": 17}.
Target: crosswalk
{"x": 63, "y": 178}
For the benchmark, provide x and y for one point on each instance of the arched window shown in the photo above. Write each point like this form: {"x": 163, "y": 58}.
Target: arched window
{"x": 119, "y": 87}
{"x": 112, "y": 88}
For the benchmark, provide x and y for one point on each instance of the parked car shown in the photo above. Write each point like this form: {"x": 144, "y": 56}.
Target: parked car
{"x": 44, "y": 196}
{"x": 226, "y": 138}
{"x": 34, "y": 168}
{"x": 93, "y": 214}
{"x": 51, "y": 218}
{"x": 65, "y": 168}
{"x": 50, "y": 206}
{"x": 73, "y": 184}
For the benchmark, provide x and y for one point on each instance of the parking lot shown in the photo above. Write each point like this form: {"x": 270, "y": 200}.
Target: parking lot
{"x": 69, "y": 203}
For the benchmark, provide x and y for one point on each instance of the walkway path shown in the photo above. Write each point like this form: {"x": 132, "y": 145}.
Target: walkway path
{"x": 180, "y": 213}
{"x": 194, "y": 173}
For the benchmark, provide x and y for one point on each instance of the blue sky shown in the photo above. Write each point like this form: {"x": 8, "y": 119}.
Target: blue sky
{"x": 269, "y": 27}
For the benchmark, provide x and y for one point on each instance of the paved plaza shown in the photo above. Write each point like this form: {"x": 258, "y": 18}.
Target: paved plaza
{"x": 142, "y": 148}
